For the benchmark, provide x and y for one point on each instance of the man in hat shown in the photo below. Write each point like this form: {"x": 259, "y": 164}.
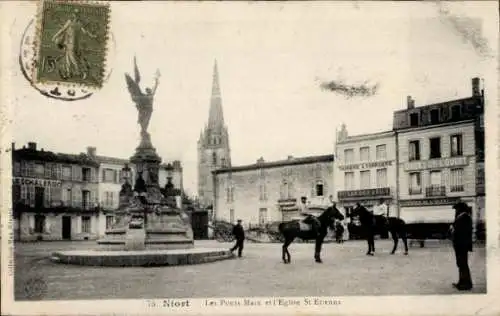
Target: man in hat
{"x": 309, "y": 218}
{"x": 239, "y": 234}
{"x": 461, "y": 230}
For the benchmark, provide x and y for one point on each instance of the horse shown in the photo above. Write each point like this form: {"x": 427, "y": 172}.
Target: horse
{"x": 396, "y": 226}
{"x": 291, "y": 229}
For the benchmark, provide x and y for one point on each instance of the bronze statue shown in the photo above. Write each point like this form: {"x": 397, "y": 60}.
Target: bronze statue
{"x": 143, "y": 101}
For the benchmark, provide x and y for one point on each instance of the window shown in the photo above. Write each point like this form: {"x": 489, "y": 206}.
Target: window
{"x": 231, "y": 216}
{"x": 86, "y": 173}
{"x": 456, "y": 145}
{"x": 223, "y": 162}
{"x": 263, "y": 192}
{"x": 349, "y": 180}
{"x": 109, "y": 222}
{"x": 284, "y": 190}
{"x": 58, "y": 171}
{"x": 66, "y": 173}
{"x": 349, "y": 155}
{"x": 364, "y": 154}
{"x": 435, "y": 178}
{"x": 414, "y": 153}
{"x": 47, "y": 197}
{"x": 455, "y": 112}
{"x": 365, "y": 179}
{"x": 67, "y": 197}
{"x": 39, "y": 170}
{"x": 86, "y": 224}
{"x": 17, "y": 168}
{"x": 456, "y": 180}
{"x": 414, "y": 119}
{"x": 48, "y": 170}
{"x": 109, "y": 175}
{"x": 214, "y": 158}
{"x": 109, "y": 199}
{"x": 415, "y": 183}
{"x": 319, "y": 188}
{"x": 262, "y": 216}
{"x": 381, "y": 152}
{"x": 86, "y": 200}
{"x": 16, "y": 193}
{"x": 39, "y": 224}
{"x": 434, "y": 116}
{"x": 435, "y": 147}
{"x": 382, "y": 178}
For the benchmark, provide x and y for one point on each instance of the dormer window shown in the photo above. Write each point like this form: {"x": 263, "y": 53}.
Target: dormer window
{"x": 434, "y": 116}
{"x": 414, "y": 119}
{"x": 455, "y": 112}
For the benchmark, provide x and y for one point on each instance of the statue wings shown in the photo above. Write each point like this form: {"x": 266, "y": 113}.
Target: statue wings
{"x": 133, "y": 85}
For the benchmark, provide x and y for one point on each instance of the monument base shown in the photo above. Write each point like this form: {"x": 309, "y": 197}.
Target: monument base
{"x": 144, "y": 258}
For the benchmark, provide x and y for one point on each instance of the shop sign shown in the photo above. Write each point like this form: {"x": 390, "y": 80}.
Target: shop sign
{"x": 364, "y": 193}
{"x": 366, "y": 165}
{"x": 436, "y": 163}
{"x": 37, "y": 182}
{"x": 429, "y": 202}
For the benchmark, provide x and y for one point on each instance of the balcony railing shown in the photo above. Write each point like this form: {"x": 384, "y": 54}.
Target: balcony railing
{"x": 457, "y": 188}
{"x": 435, "y": 190}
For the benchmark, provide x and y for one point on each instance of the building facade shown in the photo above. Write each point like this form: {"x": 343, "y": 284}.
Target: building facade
{"x": 439, "y": 147}
{"x": 270, "y": 191}
{"x": 55, "y": 196}
{"x": 365, "y": 170}
{"x": 213, "y": 145}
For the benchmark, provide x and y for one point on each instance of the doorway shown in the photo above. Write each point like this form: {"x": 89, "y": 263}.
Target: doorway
{"x": 66, "y": 227}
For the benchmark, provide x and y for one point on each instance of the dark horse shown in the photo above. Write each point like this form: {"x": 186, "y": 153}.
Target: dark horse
{"x": 396, "y": 226}
{"x": 291, "y": 229}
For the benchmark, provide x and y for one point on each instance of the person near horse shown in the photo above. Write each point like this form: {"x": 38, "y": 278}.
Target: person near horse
{"x": 380, "y": 213}
{"x": 239, "y": 234}
{"x": 367, "y": 221}
{"x": 309, "y": 218}
{"x": 462, "y": 243}
{"x": 339, "y": 232}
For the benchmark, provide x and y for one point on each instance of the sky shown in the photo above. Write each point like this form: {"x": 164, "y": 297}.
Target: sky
{"x": 272, "y": 59}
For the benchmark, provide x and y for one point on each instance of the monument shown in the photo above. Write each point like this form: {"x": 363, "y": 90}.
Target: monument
{"x": 149, "y": 229}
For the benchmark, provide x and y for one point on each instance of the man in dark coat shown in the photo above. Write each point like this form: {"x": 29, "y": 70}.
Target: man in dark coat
{"x": 462, "y": 244}
{"x": 367, "y": 221}
{"x": 239, "y": 234}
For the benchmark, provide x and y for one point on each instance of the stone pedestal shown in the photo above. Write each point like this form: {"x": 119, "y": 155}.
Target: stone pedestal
{"x": 135, "y": 239}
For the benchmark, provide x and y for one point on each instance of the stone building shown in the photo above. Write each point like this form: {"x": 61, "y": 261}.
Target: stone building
{"x": 270, "y": 191}
{"x": 439, "y": 146}
{"x": 365, "y": 170}
{"x": 213, "y": 145}
{"x": 54, "y": 195}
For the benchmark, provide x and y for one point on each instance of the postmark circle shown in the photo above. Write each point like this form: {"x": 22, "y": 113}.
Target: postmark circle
{"x": 66, "y": 92}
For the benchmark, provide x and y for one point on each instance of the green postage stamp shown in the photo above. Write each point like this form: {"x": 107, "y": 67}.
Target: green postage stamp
{"x": 71, "y": 45}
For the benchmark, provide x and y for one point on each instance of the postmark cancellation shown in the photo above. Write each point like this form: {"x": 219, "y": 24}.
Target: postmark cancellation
{"x": 71, "y": 43}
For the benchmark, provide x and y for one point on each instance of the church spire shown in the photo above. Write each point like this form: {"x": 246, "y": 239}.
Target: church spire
{"x": 215, "y": 118}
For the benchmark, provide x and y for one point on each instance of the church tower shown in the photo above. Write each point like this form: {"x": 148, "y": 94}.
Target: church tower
{"x": 213, "y": 145}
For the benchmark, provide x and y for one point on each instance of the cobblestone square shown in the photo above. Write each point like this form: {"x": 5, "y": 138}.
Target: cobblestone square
{"x": 346, "y": 271}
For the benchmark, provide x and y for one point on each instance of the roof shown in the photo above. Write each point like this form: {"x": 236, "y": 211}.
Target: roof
{"x": 355, "y": 138}
{"x": 279, "y": 163}
{"x": 49, "y": 156}
{"x": 111, "y": 160}
{"x": 445, "y": 103}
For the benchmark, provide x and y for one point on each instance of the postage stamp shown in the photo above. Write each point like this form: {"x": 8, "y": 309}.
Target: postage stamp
{"x": 71, "y": 44}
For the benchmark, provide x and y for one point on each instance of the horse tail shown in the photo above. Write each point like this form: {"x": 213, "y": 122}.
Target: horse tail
{"x": 281, "y": 227}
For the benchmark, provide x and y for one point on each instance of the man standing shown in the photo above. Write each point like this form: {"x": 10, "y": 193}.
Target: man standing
{"x": 239, "y": 234}
{"x": 462, "y": 243}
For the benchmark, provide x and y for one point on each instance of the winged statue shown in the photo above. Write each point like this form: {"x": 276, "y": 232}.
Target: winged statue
{"x": 143, "y": 100}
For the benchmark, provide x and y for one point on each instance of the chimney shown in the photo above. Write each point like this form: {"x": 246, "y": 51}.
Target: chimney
{"x": 260, "y": 160}
{"x": 476, "y": 91}
{"x": 32, "y": 146}
{"x": 290, "y": 157}
{"x": 91, "y": 151}
{"x": 410, "y": 102}
{"x": 13, "y": 146}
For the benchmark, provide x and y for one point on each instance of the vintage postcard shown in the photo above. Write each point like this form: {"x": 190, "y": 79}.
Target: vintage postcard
{"x": 316, "y": 157}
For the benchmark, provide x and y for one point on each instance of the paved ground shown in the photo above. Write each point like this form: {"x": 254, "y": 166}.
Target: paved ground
{"x": 346, "y": 271}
